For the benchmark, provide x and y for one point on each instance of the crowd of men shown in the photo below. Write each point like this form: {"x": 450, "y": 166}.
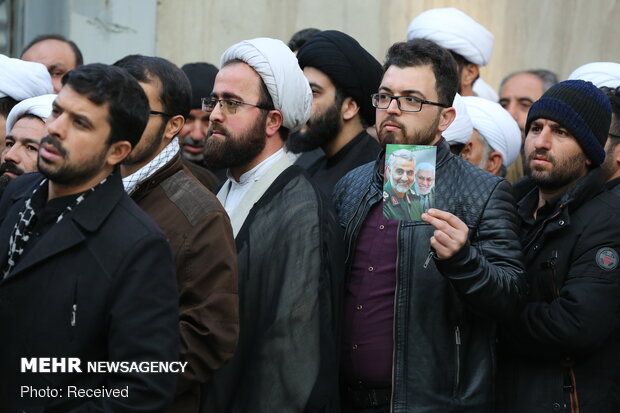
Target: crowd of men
{"x": 247, "y": 222}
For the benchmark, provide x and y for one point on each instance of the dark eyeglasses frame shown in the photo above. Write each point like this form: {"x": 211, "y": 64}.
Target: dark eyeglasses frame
{"x": 417, "y": 99}
{"x": 214, "y": 101}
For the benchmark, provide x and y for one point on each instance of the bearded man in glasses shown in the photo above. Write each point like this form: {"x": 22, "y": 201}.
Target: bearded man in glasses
{"x": 422, "y": 299}
{"x": 287, "y": 238}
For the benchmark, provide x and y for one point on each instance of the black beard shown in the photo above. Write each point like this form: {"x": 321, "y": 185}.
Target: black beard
{"x": 321, "y": 130}
{"x": 10, "y": 166}
{"x": 137, "y": 157}
{"x": 71, "y": 174}
{"x": 234, "y": 150}
{"x": 564, "y": 172}
{"x": 423, "y": 137}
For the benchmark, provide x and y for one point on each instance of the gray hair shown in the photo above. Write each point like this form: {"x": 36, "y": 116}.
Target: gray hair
{"x": 405, "y": 154}
{"x": 425, "y": 166}
{"x": 485, "y": 156}
{"x": 547, "y": 77}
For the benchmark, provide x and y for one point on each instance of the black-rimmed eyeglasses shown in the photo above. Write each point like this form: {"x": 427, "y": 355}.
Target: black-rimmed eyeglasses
{"x": 405, "y": 103}
{"x": 228, "y": 106}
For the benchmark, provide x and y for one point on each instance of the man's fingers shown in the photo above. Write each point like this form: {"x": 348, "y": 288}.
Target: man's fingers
{"x": 451, "y": 219}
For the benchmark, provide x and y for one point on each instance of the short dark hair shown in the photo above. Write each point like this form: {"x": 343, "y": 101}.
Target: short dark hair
{"x": 128, "y": 106}
{"x": 176, "y": 91}
{"x": 6, "y": 104}
{"x": 421, "y": 52}
{"x": 547, "y": 77}
{"x": 299, "y": 38}
{"x": 79, "y": 60}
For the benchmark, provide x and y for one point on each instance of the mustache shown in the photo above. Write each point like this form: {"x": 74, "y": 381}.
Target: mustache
{"x": 55, "y": 143}
{"x": 213, "y": 128}
{"x": 188, "y": 140}
{"x": 392, "y": 119}
{"x": 543, "y": 153}
{"x": 11, "y": 167}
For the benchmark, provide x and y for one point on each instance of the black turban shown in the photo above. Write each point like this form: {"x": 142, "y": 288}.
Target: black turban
{"x": 349, "y": 66}
{"x": 202, "y": 77}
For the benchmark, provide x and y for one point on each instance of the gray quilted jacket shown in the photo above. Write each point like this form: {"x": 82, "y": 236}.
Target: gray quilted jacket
{"x": 446, "y": 310}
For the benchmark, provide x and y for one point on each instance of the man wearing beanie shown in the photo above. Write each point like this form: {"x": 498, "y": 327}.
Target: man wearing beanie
{"x": 561, "y": 353}
{"x": 193, "y": 135}
{"x": 342, "y": 76}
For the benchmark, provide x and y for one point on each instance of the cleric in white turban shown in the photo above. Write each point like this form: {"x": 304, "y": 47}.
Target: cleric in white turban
{"x": 39, "y": 106}
{"x": 279, "y": 69}
{"x": 497, "y": 142}
{"x": 285, "y": 234}
{"x": 471, "y": 45}
{"x": 20, "y": 80}
{"x": 601, "y": 74}
{"x": 460, "y": 130}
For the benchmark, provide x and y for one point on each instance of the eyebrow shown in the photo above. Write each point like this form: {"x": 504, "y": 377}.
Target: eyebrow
{"x": 227, "y": 95}
{"x": 316, "y": 85}
{"x": 56, "y": 66}
{"x": 74, "y": 115}
{"x": 404, "y": 92}
{"x": 525, "y": 100}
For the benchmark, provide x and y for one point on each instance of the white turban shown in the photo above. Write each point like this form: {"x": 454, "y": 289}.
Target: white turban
{"x": 22, "y": 80}
{"x": 482, "y": 89}
{"x": 40, "y": 106}
{"x": 496, "y": 125}
{"x": 599, "y": 73}
{"x": 454, "y": 30}
{"x": 461, "y": 128}
{"x": 279, "y": 69}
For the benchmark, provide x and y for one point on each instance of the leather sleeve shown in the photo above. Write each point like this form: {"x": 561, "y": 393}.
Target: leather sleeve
{"x": 487, "y": 273}
{"x": 209, "y": 304}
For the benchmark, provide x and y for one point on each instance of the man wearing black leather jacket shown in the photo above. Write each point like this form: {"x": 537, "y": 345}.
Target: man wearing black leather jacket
{"x": 422, "y": 299}
{"x": 561, "y": 354}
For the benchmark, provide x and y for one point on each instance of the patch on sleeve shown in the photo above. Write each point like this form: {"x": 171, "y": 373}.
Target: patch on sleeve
{"x": 607, "y": 258}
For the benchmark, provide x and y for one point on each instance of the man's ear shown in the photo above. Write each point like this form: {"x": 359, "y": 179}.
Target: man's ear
{"x": 174, "y": 126}
{"x": 447, "y": 117}
{"x": 494, "y": 163}
{"x": 469, "y": 74}
{"x": 349, "y": 109}
{"x": 274, "y": 122}
{"x": 117, "y": 152}
{"x": 466, "y": 151}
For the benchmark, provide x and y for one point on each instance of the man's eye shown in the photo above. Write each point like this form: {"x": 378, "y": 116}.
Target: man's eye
{"x": 8, "y": 144}
{"x": 32, "y": 148}
{"x": 383, "y": 98}
{"x": 232, "y": 103}
{"x": 410, "y": 100}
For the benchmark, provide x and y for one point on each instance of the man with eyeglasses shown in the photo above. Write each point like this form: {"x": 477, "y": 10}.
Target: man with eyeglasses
{"x": 422, "y": 299}
{"x": 287, "y": 238}
{"x": 195, "y": 223}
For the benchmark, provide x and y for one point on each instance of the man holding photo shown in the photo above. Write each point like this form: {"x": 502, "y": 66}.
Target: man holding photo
{"x": 422, "y": 299}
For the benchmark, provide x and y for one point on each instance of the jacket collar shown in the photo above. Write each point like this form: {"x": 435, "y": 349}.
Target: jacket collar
{"x": 166, "y": 171}
{"x": 584, "y": 189}
{"x": 87, "y": 217}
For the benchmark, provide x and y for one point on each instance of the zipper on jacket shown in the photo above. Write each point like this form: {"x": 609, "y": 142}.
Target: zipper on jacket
{"x": 394, "y": 320}
{"x": 74, "y": 306}
{"x": 431, "y": 253}
{"x": 457, "y": 356}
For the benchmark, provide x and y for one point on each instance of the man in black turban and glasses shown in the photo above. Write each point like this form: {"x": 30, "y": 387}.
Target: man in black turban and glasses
{"x": 342, "y": 76}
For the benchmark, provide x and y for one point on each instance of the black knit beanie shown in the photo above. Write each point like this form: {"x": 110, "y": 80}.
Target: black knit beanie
{"x": 202, "y": 77}
{"x": 582, "y": 109}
